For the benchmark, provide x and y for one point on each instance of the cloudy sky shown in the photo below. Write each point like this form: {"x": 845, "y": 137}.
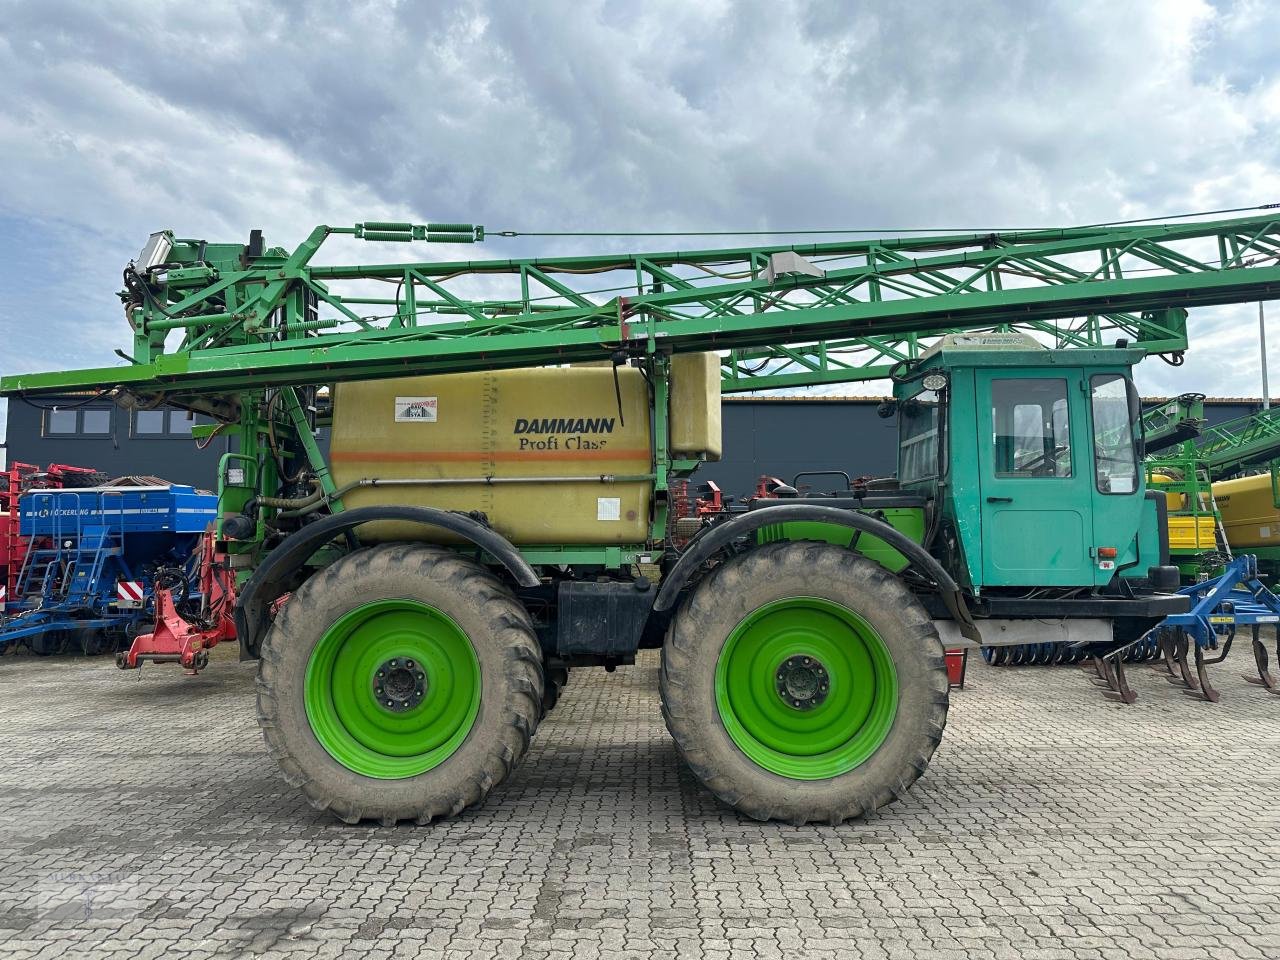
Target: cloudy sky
{"x": 120, "y": 118}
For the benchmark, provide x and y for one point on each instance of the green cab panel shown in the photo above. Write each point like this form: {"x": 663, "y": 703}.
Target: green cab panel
{"x": 1144, "y": 552}
{"x": 908, "y": 521}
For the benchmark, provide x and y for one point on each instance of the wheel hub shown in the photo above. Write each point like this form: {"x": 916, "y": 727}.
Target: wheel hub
{"x": 400, "y": 684}
{"x": 802, "y": 682}
{"x": 806, "y": 688}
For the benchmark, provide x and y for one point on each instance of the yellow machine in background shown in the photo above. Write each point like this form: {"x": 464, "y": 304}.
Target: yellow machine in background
{"x": 1249, "y": 513}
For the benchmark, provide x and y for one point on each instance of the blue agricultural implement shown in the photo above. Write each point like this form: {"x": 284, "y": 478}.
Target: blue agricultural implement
{"x": 95, "y": 554}
{"x": 17, "y": 479}
{"x": 1220, "y": 607}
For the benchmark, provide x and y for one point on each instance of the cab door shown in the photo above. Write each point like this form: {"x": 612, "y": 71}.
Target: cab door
{"x": 1035, "y": 477}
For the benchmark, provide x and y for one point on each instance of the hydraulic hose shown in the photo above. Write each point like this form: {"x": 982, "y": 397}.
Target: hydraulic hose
{"x": 293, "y": 504}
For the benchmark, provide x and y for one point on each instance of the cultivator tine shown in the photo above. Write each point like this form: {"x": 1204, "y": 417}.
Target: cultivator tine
{"x": 1121, "y": 691}
{"x": 1206, "y": 691}
{"x": 1264, "y": 678}
{"x": 1110, "y": 674}
{"x": 1181, "y": 646}
{"x": 1096, "y": 670}
{"x": 1169, "y": 656}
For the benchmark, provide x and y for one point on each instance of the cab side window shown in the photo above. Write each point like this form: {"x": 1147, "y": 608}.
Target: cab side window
{"x": 918, "y": 430}
{"x": 1032, "y": 436}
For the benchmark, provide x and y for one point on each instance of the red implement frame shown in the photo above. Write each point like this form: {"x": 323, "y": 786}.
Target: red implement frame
{"x": 177, "y": 639}
{"x": 14, "y": 482}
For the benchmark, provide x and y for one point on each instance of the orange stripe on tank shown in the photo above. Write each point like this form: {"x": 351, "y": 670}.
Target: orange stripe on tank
{"x": 479, "y": 456}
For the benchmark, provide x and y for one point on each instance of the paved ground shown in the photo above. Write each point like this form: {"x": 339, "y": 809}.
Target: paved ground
{"x": 140, "y": 817}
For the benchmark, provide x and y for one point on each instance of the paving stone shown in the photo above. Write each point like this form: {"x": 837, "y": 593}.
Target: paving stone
{"x": 140, "y": 816}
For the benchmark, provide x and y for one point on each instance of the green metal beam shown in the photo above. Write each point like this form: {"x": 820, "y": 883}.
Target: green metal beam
{"x": 848, "y": 311}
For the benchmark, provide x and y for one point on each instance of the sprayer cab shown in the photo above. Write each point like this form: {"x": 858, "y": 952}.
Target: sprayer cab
{"x": 1032, "y": 456}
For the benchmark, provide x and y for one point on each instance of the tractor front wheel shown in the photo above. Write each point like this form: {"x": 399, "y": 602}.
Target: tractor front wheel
{"x": 402, "y": 682}
{"x": 804, "y": 682}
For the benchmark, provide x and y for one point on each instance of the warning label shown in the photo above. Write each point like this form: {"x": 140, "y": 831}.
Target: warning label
{"x": 415, "y": 409}
{"x": 608, "y": 508}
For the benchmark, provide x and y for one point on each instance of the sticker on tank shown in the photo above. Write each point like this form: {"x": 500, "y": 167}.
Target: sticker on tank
{"x": 416, "y": 409}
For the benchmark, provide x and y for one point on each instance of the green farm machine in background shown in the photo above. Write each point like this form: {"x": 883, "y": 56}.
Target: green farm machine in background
{"x": 1195, "y": 474}
{"x": 497, "y": 504}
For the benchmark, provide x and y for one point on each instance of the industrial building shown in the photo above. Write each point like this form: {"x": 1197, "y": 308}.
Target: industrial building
{"x": 778, "y": 436}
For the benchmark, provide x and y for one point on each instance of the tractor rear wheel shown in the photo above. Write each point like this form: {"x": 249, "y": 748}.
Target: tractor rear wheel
{"x": 402, "y": 682}
{"x": 804, "y": 682}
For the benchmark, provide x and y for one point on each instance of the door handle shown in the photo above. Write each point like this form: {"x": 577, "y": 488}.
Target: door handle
{"x": 999, "y": 499}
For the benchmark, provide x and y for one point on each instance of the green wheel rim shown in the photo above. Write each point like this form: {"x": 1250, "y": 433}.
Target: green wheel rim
{"x": 838, "y": 728}
{"x": 355, "y": 726}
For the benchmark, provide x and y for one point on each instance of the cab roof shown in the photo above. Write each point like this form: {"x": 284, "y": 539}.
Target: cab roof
{"x": 1020, "y": 350}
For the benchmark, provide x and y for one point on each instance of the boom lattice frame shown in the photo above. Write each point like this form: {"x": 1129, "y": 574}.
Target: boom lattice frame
{"x": 848, "y": 311}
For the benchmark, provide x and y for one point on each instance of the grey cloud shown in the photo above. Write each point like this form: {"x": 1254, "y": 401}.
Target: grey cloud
{"x": 597, "y": 115}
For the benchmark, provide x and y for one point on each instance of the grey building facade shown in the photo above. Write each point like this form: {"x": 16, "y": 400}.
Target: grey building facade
{"x": 777, "y": 436}
{"x": 118, "y": 442}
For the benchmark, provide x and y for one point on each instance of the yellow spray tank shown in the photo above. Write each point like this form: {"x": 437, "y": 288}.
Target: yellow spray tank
{"x": 1249, "y": 513}
{"x": 556, "y": 455}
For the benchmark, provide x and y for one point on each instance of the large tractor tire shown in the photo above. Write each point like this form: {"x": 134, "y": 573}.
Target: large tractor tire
{"x": 803, "y": 682}
{"x": 402, "y": 682}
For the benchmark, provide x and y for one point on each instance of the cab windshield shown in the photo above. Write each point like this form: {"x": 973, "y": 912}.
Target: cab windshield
{"x": 1115, "y": 415}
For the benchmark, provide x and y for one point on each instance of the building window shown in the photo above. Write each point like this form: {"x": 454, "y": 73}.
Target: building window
{"x": 148, "y": 423}
{"x": 161, "y": 424}
{"x": 95, "y": 421}
{"x": 61, "y": 421}
{"x": 78, "y": 422}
